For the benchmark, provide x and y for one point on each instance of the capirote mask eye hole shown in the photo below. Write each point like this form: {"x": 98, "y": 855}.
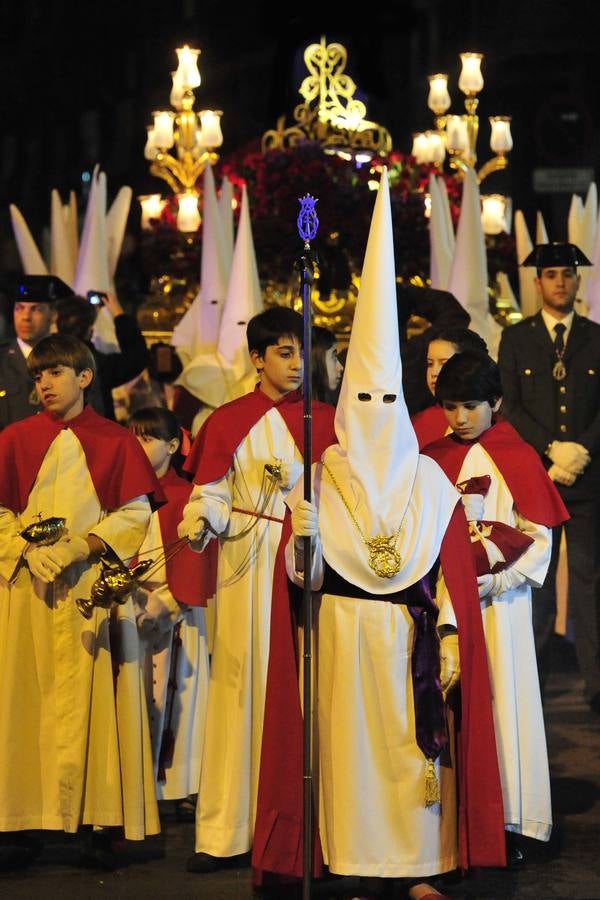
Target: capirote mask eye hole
{"x": 389, "y": 398}
{"x": 364, "y": 397}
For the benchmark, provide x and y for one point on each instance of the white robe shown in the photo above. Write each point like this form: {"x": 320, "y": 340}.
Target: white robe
{"x": 226, "y": 806}
{"x": 71, "y": 751}
{"x": 190, "y": 676}
{"x": 372, "y": 815}
{"x": 516, "y": 700}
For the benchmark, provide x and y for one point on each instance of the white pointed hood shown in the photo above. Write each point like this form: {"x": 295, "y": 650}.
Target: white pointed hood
{"x": 62, "y": 261}
{"x": 198, "y": 329}
{"x": 528, "y": 294}
{"x": 31, "y": 258}
{"x": 226, "y": 214}
{"x": 92, "y": 272}
{"x": 116, "y": 221}
{"x": 216, "y": 378}
{"x": 441, "y": 235}
{"x": 376, "y": 462}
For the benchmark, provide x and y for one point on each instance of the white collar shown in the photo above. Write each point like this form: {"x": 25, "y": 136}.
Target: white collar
{"x": 550, "y": 322}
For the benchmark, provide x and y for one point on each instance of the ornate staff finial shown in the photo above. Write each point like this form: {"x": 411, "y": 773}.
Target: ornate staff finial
{"x": 307, "y": 221}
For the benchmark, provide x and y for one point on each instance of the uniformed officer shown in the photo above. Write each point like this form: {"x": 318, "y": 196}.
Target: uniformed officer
{"x": 550, "y": 370}
{"x": 32, "y": 299}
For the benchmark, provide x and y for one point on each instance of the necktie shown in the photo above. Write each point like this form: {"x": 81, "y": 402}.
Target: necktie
{"x": 559, "y": 371}
{"x": 559, "y": 342}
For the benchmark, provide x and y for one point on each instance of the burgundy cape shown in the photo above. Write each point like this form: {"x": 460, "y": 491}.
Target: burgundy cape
{"x": 277, "y": 845}
{"x": 535, "y": 495}
{"x": 191, "y": 577}
{"x": 430, "y": 425}
{"x": 118, "y": 466}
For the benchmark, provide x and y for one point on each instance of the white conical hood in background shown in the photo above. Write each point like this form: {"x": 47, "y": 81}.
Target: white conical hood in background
{"x": 505, "y": 291}
{"x": 215, "y": 378}
{"x": 528, "y": 295}
{"x": 593, "y": 284}
{"x": 116, "y": 222}
{"x": 441, "y": 234}
{"x": 469, "y": 274}
{"x": 587, "y": 235}
{"x": 62, "y": 261}
{"x": 226, "y": 213}
{"x": 31, "y": 258}
{"x": 541, "y": 233}
{"x": 198, "y": 329}
{"x": 91, "y": 273}
{"x": 376, "y": 462}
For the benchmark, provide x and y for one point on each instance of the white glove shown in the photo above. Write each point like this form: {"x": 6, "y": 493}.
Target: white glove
{"x": 69, "y": 550}
{"x": 569, "y": 455}
{"x": 485, "y": 584}
{"x": 41, "y": 563}
{"x": 195, "y": 528}
{"x": 507, "y": 580}
{"x": 449, "y": 662}
{"x": 561, "y": 476}
{"x": 305, "y": 519}
{"x": 473, "y": 504}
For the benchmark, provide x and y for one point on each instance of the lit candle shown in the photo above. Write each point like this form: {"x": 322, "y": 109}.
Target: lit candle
{"x": 420, "y": 147}
{"x": 471, "y": 80}
{"x": 438, "y": 100}
{"x": 210, "y": 128}
{"x": 152, "y": 206}
{"x": 457, "y": 136}
{"x": 163, "y": 129}
{"x": 501, "y": 139}
{"x": 188, "y": 75}
{"x": 177, "y": 91}
{"x": 437, "y": 149}
{"x": 188, "y": 217}
{"x": 150, "y": 150}
{"x": 493, "y": 213}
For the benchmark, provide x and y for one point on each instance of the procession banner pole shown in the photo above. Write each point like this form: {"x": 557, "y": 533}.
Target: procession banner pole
{"x": 307, "y": 229}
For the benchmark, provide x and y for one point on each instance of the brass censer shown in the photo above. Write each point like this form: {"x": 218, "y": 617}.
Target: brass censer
{"x": 114, "y": 584}
{"x": 44, "y": 532}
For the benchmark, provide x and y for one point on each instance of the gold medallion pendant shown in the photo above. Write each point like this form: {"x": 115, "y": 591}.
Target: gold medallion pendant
{"x": 384, "y": 559}
{"x": 559, "y": 373}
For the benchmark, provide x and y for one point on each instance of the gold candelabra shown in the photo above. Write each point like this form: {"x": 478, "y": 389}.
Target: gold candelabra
{"x": 193, "y": 136}
{"x": 456, "y": 135}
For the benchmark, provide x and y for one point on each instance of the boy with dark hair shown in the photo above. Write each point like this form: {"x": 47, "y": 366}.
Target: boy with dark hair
{"x": 511, "y": 505}
{"x": 430, "y": 423}
{"x": 245, "y": 459}
{"x": 74, "y": 742}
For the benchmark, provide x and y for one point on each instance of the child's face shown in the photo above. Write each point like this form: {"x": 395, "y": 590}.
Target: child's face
{"x": 469, "y": 418}
{"x": 438, "y": 353}
{"x": 60, "y": 390}
{"x": 158, "y": 451}
{"x": 334, "y": 368}
{"x": 280, "y": 368}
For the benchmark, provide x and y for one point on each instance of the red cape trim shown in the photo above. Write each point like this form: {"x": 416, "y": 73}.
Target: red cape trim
{"x": 480, "y": 810}
{"x": 430, "y": 425}
{"x": 223, "y": 431}
{"x": 534, "y": 493}
{"x": 117, "y": 464}
{"x": 192, "y": 577}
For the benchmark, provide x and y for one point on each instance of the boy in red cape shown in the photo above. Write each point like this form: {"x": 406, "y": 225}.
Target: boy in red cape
{"x": 74, "y": 741}
{"x": 517, "y": 492}
{"x": 245, "y": 459}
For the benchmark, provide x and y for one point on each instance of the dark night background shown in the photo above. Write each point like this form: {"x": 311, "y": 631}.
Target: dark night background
{"x": 79, "y": 83}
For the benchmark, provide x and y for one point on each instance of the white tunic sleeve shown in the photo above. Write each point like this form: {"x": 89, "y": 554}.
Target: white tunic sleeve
{"x": 11, "y": 544}
{"x": 211, "y": 502}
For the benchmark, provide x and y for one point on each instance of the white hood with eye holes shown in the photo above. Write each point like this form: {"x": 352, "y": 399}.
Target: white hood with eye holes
{"x": 376, "y": 462}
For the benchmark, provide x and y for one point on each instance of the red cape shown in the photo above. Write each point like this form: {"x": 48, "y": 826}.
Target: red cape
{"x": 117, "y": 464}
{"x": 480, "y": 808}
{"x": 191, "y": 577}
{"x": 430, "y": 425}
{"x": 534, "y": 493}
{"x": 214, "y": 445}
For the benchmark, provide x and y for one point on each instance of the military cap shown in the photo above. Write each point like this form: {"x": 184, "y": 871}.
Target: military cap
{"x": 34, "y": 288}
{"x": 545, "y": 256}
